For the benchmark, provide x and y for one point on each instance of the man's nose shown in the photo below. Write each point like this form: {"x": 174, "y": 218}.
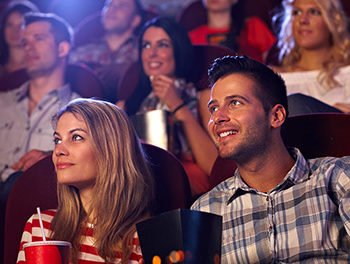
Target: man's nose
{"x": 220, "y": 115}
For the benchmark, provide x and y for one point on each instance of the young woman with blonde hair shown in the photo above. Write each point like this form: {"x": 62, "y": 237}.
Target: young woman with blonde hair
{"x": 104, "y": 185}
{"x": 314, "y": 45}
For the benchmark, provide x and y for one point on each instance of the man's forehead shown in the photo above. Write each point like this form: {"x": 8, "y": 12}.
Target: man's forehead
{"x": 235, "y": 83}
{"x": 131, "y": 2}
{"x": 38, "y": 27}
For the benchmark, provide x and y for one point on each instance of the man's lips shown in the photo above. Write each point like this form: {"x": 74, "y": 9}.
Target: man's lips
{"x": 63, "y": 165}
{"x": 222, "y": 134}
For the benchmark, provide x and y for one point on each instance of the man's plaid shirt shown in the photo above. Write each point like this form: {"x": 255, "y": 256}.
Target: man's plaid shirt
{"x": 306, "y": 218}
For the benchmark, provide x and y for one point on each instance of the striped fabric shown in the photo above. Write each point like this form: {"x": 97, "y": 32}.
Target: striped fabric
{"x": 88, "y": 253}
{"x": 306, "y": 218}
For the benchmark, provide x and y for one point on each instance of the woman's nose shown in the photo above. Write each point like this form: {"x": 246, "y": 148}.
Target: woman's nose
{"x": 304, "y": 18}
{"x": 60, "y": 150}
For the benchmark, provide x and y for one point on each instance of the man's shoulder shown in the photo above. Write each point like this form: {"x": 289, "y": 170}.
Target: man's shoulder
{"x": 92, "y": 46}
{"x": 11, "y": 96}
{"x": 217, "y": 197}
{"x": 324, "y": 162}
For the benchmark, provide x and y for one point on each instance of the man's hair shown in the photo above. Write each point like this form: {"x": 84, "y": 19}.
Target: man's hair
{"x": 60, "y": 28}
{"x": 270, "y": 87}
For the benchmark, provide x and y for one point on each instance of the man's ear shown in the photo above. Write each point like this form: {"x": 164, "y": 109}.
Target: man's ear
{"x": 63, "y": 49}
{"x": 278, "y": 116}
{"x": 136, "y": 21}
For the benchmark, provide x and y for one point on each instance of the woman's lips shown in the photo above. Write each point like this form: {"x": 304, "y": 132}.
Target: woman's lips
{"x": 63, "y": 165}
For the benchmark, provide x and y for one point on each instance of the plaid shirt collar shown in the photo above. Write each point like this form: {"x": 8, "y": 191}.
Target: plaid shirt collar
{"x": 298, "y": 173}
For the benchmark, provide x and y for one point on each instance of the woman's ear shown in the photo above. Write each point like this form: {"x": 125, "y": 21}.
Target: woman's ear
{"x": 278, "y": 116}
{"x": 63, "y": 49}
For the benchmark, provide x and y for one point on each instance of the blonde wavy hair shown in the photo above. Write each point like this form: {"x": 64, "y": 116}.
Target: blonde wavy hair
{"x": 336, "y": 20}
{"x": 124, "y": 188}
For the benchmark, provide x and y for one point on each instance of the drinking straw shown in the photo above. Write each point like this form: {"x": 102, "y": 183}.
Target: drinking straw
{"x": 41, "y": 223}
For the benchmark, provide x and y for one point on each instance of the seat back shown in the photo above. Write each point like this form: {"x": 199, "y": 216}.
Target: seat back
{"x": 316, "y": 135}
{"x": 37, "y": 187}
{"x": 81, "y": 78}
{"x": 204, "y": 56}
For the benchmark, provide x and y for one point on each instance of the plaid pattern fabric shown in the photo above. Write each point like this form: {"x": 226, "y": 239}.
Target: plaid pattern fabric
{"x": 306, "y": 218}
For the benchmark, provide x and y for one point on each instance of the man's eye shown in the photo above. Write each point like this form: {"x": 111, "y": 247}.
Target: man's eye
{"x": 213, "y": 109}
{"x": 57, "y": 141}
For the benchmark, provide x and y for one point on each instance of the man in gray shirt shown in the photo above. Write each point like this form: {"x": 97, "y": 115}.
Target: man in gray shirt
{"x": 26, "y": 112}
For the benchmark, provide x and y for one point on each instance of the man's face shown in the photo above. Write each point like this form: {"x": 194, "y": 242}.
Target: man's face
{"x": 40, "y": 48}
{"x": 238, "y": 123}
{"x": 118, "y": 15}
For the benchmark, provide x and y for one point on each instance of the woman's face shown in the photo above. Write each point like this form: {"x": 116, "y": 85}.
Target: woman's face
{"x": 310, "y": 31}
{"x": 14, "y": 28}
{"x": 157, "y": 53}
{"x": 74, "y": 158}
{"x": 219, "y": 5}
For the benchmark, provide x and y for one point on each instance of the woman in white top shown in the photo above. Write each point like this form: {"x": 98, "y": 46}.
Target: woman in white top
{"x": 314, "y": 45}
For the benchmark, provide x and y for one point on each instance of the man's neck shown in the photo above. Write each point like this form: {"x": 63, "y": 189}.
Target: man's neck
{"x": 219, "y": 19}
{"x": 42, "y": 85}
{"x": 115, "y": 40}
{"x": 266, "y": 171}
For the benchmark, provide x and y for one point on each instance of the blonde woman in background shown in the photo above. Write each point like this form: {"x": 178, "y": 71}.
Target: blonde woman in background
{"x": 104, "y": 185}
{"x": 314, "y": 45}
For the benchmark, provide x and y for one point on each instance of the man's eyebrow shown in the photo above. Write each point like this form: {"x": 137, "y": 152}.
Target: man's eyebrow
{"x": 211, "y": 102}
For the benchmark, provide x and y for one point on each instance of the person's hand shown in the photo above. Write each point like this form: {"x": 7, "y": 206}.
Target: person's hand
{"x": 121, "y": 104}
{"x": 29, "y": 159}
{"x": 164, "y": 88}
{"x": 344, "y": 107}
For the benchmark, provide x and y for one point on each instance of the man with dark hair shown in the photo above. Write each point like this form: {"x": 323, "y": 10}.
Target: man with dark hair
{"x": 25, "y": 119}
{"x": 278, "y": 207}
{"x": 110, "y": 55}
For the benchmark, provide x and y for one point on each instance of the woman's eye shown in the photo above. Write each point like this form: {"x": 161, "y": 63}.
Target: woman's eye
{"x": 77, "y": 137}
{"x": 235, "y": 102}
{"x": 57, "y": 141}
{"x": 146, "y": 46}
{"x": 315, "y": 12}
{"x": 296, "y": 12}
{"x": 164, "y": 45}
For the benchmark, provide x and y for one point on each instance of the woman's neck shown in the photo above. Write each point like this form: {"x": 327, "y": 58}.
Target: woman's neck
{"x": 219, "y": 19}
{"x": 312, "y": 59}
{"x": 15, "y": 60}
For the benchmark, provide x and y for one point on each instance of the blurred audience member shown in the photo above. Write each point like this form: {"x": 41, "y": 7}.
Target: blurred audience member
{"x": 314, "y": 53}
{"x": 166, "y": 62}
{"x": 25, "y": 131}
{"x": 110, "y": 55}
{"x": 107, "y": 191}
{"x": 11, "y": 34}
{"x": 169, "y": 8}
{"x": 228, "y": 26}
